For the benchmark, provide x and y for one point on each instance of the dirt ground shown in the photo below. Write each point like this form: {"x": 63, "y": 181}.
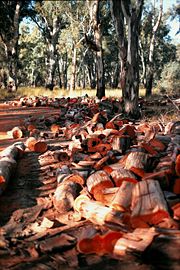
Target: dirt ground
{"x": 11, "y": 116}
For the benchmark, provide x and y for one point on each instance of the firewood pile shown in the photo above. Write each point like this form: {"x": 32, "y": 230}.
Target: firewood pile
{"x": 88, "y": 188}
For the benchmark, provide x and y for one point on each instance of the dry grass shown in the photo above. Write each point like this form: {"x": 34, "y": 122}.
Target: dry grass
{"x": 57, "y": 92}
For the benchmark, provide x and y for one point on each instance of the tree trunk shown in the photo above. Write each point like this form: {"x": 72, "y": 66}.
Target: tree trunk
{"x": 11, "y": 42}
{"x": 94, "y": 14}
{"x": 128, "y": 51}
{"x": 150, "y": 67}
{"x": 73, "y": 75}
{"x": 131, "y": 88}
{"x": 51, "y": 66}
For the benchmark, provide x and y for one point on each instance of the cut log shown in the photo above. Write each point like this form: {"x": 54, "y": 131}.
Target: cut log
{"x": 177, "y": 166}
{"x": 136, "y": 241}
{"x": 103, "y": 148}
{"x": 36, "y": 146}
{"x": 121, "y": 143}
{"x": 148, "y": 204}
{"x": 137, "y": 160}
{"x": 64, "y": 196}
{"x": 30, "y": 127}
{"x": 176, "y": 187}
{"x": 55, "y": 128}
{"x": 16, "y": 133}
{"x": 92, "y": 142}
{"x": 128, "y": 130}
{"x": 113, "y": 167}
{"x": 163, "y": 177}
{"x": 122, "y": 199}
{"x": 97, "y": 182}
{"x": 8, "y": 163}
{"x": 76, "y": 178}
{"x": 13, "y": 151}
{"x": 92, "y": 242}
{"x": 121, "y": 175}
{"x": 176, "y": 211}
{"x": 101, "y": 215}
{"x": 109, "y": 194}
{"x": 61, "y": 156}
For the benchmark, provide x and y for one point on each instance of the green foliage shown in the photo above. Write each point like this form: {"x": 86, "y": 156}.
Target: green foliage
{"x": 170, "y": 78}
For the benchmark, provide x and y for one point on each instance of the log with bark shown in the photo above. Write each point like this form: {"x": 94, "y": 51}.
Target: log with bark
{"x": 91, "y": 241}
{"x": 65, "y": 194}
{"x": 97, "y": 182}
{"x": 36, "y": 145}
{"x": 137, "y": 241}
{"x": 148, "y": 204}
{"x": 101, "y": 215}
{"x": 8, "y": 162}
{"x": 121, "y": 175}
{"x": 122, "y": 198}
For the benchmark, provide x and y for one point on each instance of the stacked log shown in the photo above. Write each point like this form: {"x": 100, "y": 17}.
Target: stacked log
{"x": 8, "y": 162}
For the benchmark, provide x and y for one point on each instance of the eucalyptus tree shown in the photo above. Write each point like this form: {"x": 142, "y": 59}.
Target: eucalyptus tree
{"x": 155, "y": 20}
{"x": 127, "y": 18}
{"x": 156, "y": 48}
{"x": 32, "y": 53}
{"x": 96, "y": 44}
{"x": 11, "y": 13}
{"x": 50, "y": 18}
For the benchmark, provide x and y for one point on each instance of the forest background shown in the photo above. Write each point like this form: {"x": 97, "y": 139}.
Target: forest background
{"x": 98, "y": 46}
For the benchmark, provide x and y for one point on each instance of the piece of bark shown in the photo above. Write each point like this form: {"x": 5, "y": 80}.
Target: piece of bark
{"x": 148, "y": 204}
{"x": 149, "y": 149}
{"x": 57, "y": 242}
{"x": 64, "y": 196}
{"x": 100, "y": 163}
{"x": 92, "y": 242}
{"x": 101, "y": 215}
{"x": 98, "y": 181}
{"x": 122, "y": 198}
{"x": 157, "y": 144}
{"x": 166, "y": 163}
{"x": 36, "y": 146}
{"x": 137, "y": 241}
{"x": 121, "y": 175}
